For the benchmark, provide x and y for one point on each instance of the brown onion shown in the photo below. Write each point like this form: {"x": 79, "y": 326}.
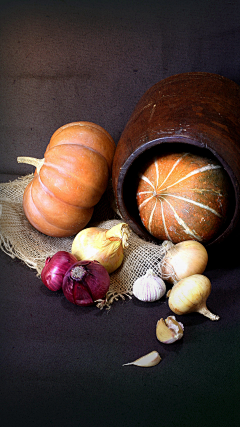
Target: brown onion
{"x": 85, "y": 282}
{"x": 55, "y": 268}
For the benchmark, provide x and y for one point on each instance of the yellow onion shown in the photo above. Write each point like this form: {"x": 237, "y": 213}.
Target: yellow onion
{"x": 182, "y": 260}
{"x": 190, "y": 295}
{"x": 105, "y": 246}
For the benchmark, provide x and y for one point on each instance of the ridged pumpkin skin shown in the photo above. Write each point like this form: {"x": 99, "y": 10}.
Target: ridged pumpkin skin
{"x": 60, "y": 199}
{"x": 183, "y": 196}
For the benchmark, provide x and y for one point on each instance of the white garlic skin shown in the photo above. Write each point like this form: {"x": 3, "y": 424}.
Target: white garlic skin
{"x": 149, "y": 288}
{"x": 176, "y": 327}
{"x": 169, "y": 330}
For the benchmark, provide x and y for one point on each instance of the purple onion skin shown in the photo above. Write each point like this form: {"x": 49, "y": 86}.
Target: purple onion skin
{"x": 55, "y": 268}
{"x": 85, "y": 282}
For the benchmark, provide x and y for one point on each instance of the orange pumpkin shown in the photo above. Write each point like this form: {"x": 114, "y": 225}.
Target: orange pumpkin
{"x": 70, "y": 180}
{"x": 182, "y": 196}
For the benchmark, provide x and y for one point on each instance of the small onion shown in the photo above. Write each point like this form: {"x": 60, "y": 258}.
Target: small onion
{"x": 182, "y": 260}
{"x": 86, "y": 282}
{"x": 190, "y": 295}
{"x": 55, "y": 268}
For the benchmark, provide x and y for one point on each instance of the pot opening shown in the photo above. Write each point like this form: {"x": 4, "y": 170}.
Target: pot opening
{"x": 129, "y": 179}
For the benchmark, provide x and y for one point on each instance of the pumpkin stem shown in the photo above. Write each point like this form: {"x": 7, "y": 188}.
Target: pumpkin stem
{"x": 31, "y": 161}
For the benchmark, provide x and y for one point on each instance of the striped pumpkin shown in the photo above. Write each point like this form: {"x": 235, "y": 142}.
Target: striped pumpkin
{"x": 183, "y": 196}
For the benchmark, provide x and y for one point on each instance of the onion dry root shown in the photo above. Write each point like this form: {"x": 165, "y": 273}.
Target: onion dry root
{"x": 85, "y": 283}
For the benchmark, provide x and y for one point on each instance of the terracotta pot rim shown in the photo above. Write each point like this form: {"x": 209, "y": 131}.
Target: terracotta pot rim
{"x": 181, "y": 139}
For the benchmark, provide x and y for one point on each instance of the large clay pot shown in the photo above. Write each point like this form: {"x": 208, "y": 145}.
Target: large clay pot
{"x": 198, "y": 112}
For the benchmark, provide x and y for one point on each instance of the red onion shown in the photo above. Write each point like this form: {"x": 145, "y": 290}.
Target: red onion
{"x": 85, "y": 282}
{"x": 55, "y": 268}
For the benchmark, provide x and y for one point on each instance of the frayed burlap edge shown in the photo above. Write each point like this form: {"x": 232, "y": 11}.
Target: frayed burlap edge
{"x": 19, "y": 239}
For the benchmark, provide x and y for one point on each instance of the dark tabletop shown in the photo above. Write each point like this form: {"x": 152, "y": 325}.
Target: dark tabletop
{"x": 61, "y": 365}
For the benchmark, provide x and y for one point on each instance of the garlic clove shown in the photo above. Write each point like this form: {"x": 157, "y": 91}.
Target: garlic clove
{"x": 149, "y": 288}
{"x": 169, "y": 330}
{"x": 150, "y": 359}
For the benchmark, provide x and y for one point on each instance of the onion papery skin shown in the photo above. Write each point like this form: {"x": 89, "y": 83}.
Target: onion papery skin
{"x": 55, "y": 268}
{"x": 182, "y": 196}
{"x": 90, "y": 287}
{"x": 182, "y": 260}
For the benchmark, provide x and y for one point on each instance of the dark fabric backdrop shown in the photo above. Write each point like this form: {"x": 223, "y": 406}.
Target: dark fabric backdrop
{"x": 61, "y": 365}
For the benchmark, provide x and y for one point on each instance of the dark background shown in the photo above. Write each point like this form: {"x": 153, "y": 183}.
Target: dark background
{"x": 61, "y": 365}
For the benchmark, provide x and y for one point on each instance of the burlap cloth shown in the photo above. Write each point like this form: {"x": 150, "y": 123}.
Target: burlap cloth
{"x": 19, "y": 239}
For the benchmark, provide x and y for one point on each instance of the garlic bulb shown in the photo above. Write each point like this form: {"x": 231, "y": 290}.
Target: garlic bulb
{"x": 169, "y": 330}
{"x": 150, "y": 359}
{"x": 190, "y": 295}
{"x": 104, "y": 246}
{"x": 182, "y": 260}
{"x": 149, "y": 288}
